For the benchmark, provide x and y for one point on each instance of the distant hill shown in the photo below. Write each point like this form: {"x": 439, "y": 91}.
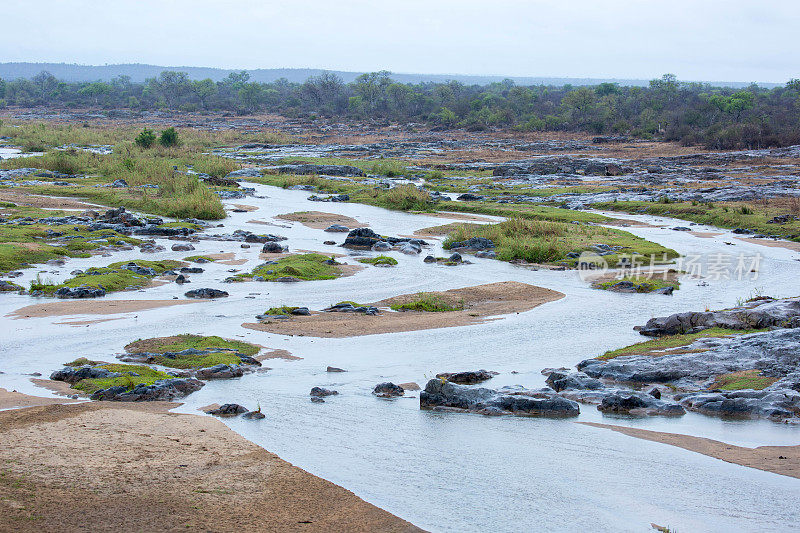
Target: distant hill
{"x": 139, "y": 73}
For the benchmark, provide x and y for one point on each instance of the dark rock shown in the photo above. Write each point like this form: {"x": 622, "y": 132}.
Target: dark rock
{"x": 337, "y": 228}
{"x": 74, "y": 375}
{"x": 228, "y": 409}
{"x": 321, "y": 392}
{"x": 191, "y": 270}
{"x": 165, "y": 390}
{"x": 388, "y": 390}
{"x": 182, "y": 247}
{"x": 272, "y": 248}
{"x": 467, "y": 378}
{"x": 206, "y": 293}
{"x": 642, "y": 404}
{"x": 753, "y": 315}
{"x": 254, "y": 415}
{"x": 473, "y": 244}
{"x": 80, "y": 292}
{"x": 300, "y": 311}
{"x": 444, "y": 395}
{"x": 221, "y": 371}
{"x": 334, "y": 369}
{"x": 120, "y": 183}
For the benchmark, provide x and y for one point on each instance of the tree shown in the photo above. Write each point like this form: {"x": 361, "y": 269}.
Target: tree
{"x": 579, "y": 102}
{"x": 250, "y": 96}
{"x": 96, "y": 90}
{"x": 204, "y": 90}
{"x": 171, "y": 86}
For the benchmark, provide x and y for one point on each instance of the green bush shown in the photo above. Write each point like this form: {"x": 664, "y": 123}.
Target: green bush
{"x": 168, "y": 138}
{"x": 146, "y": 138}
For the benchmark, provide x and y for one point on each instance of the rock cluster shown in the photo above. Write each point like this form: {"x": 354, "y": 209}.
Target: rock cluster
{"x": 443, "y": 395}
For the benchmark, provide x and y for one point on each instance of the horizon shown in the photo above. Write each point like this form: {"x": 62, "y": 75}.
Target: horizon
{"x": 626, "y": 40}
{"x": 179, "y": 68}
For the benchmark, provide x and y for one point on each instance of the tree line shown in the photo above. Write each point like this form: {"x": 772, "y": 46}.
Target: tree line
{"x": 691, "y": 113}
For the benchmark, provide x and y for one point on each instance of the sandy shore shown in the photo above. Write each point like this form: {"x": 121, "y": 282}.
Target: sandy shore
{"x": 93, "y": 307}
{"x": 789, "y": 245}
{"x": 320, "y": 220}
{"x": 784, "y": 460}
{"x": 103, "y": 466}
{"x": 480, "y": 303}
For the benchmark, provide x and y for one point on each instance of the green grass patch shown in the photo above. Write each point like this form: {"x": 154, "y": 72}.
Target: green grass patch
{"x": 430, "y": 303}
{"x": 82, "y": 361}
{"x": 282, "y": 310}
{"x": 540, "y": 241}
{"x": 111, "y": 278}
{"x": 749, "y": 215}
{"x": 306, "y": 267}
{"x": 146, "y": 375}
{"x": 745, "y": 379}
{"x": 199, "y": 259}
{"x": 23, "y": 245}
{"x": 645, "y": 284}
{"x": 178, "y": 343}
{"x": 671, "y": 341}
{"x": 379, "y": 260}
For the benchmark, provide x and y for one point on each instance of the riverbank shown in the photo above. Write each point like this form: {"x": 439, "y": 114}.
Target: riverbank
{"x": 783, "y": 460}
{"x": 112, "y": 466}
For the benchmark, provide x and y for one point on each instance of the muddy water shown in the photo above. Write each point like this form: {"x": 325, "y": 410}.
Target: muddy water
{"x": 449, "y": 472}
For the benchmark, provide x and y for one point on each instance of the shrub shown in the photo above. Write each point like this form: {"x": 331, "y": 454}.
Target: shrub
{"x": 168, "y": 138}
{"x": 146, "y": 138}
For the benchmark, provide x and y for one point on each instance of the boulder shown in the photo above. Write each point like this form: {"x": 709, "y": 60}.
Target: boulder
{"x": 273, "y": 248}
{"x": 337, "y": 228}
{"x": 335, "y": 369}
{"x": 164, "y": 390}
{"x": 467, "y": 378}
{"x": 473, "y": 244}
{"x": 182, "y": 247}
{"x": 80, "y": 292}
{"x": 228, "y": 409}
{"x": 221, "y": 371}
{"x": 444, "y": 395}
{"x": 206, "y": 293}
{"x": 322, "y": 392}
{"x": 388, "y": 390}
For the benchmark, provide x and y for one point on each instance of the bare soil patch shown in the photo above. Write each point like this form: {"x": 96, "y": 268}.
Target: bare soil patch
{"x": 43, "y": 202}
{"x": 705, "y": 234}
{"x": 784, "y": 460}
{"x": 480, "y": 303}
{"x": 101, "y": 307}
{"x": 106, "y": 466}
{"x": 320, "y": 220}
{"x": 245, "y": 207}
{"x": 226, "y": 258}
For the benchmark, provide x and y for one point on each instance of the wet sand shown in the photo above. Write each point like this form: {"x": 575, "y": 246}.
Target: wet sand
{"x": 480, "y": 303}
{"x": 705, "y": 234}
{"x": 789, "y": 245}
{"x": 10, "y": 399}
{"x": 104, "y": 466}
{"x": 320, "y": 220}
{"x": 103, "y": 307}
{"x": 784, "y": 460}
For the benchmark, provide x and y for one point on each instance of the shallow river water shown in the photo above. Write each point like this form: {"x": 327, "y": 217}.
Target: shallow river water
{"x": 446, "y": 471}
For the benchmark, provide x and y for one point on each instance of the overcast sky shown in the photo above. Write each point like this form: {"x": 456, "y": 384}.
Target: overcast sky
{"x": 714, "y": 40}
